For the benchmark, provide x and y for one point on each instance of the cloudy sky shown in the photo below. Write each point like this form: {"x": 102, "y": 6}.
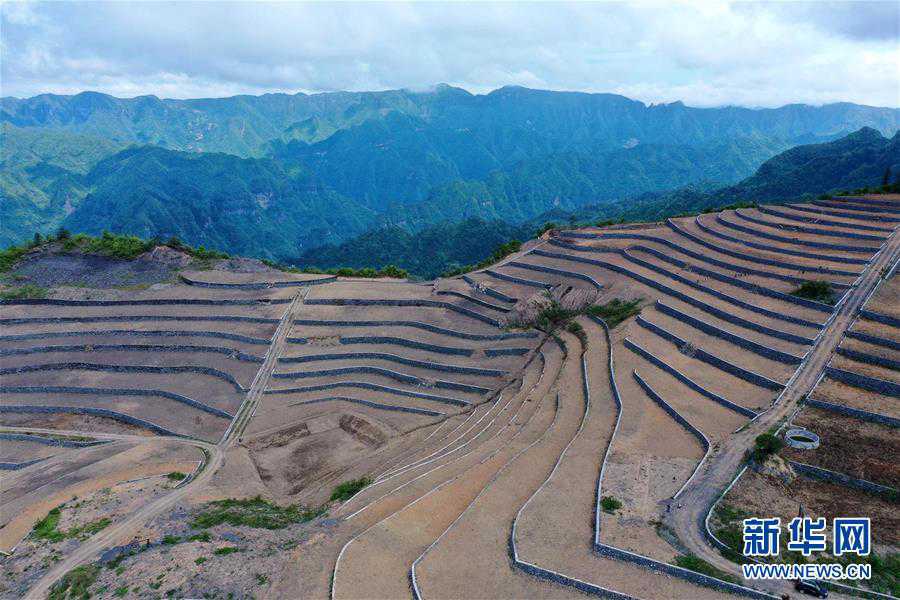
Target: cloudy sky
{"x": 706, "y": 54}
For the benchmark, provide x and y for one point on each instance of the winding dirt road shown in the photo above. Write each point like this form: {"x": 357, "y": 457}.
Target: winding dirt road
{"x": 687, "y": 517}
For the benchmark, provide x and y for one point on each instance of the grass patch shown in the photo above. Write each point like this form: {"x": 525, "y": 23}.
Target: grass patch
{"x": 45, "y": 529}
{"x": 820, "y": 291}
{"x": 75, "y": 584}
{"x": 346, "y": 490}
{"x": 23, "y": 292}
{"x": 698, "y": 565}
{"x": 254, "y": 512}
{"x": 88, "y": 529}
{"x": 203, "y": 536}
{"x": 171, "y": 540}
{"x": 200, "y": 560}
{"x": 226, "y": 550}
{"x": 610, "y": 504}
{"x": 616, "y": 311}
{"x": 176, "y": 476}
{"x": 121, "y": 592}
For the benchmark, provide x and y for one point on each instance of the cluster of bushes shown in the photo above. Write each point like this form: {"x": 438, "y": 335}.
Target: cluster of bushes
{"x": 47, "y": 528}
{"x": 820, "y": 291}
{"x": 615, "y": 311}
{"x": 499, "y": 253}
{"x": 346, "y": 490}
{"x": 392, "y": 271}
{"x": 765, "y": 446}
{"x": 125, "y": 247}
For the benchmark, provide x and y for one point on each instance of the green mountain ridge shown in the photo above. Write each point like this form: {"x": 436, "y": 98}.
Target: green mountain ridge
{"x": 855, "y": 161}
{"x": 324, "y": 168}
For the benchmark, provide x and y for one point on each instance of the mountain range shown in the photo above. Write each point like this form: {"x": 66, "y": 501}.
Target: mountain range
{"x": 278, "y": 175}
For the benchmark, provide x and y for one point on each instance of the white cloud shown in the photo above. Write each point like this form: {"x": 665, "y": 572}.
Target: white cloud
{"x": 759, "y": 54}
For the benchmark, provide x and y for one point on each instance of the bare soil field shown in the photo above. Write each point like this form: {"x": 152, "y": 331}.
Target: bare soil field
{"x": 762, "y": 495}
{"x": 20, "y": 451}
{"x": 886, "y": 300}
{"x": 854, "y": 397}
{"x": 90, "y": 271}
{"x": 870, "y": 327}
{"x": 857, "y": 448}
{"x": 870, "y": 370}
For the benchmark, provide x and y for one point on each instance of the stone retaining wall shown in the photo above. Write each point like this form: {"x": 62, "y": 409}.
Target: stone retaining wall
{"x": 370, "y": 404}
{"x": 46, "y": 440}
{"x": 841, "y": 479}
{"x": 63, "y": 389}
{"x": 708, "y": 308}
{"x": 403, "y": 377}
{"x": 489, "y": 291}
{"x": 872, "y": 339}
{"x": 704, "y": 441}
{"x": 417, "y": 325}
{"x": 692, "y": 576}
{"x": 872, "y": 384}
{"x": 750, "y": 257}
{"x": 551, "y": 270}
{"x": 811, "y": 230}
{"x": 889, "y": 212}
{"x": 84, "y": 410}
{"x": 411, "y": 302}
{"x": 395, "y": 341}
{"x": 153, "y": 302}
{"x": 799, "y": 242}
{"x": 394, "y": 358}
{"x": 137, "y": 333}
{"x": 856, "y": 413}
{"x": 878, "y": 317}
{"x": 711, "y": 359}
{"x": 493, "y": 352}
{"x": 514, "y": 279}
{"x": 839, "y": 213}
{"x": 753, "y": 287}
{"x": 804, "y": 219}
{"x": 365, "y": 385}
{"x": 257, "y": 286}
{"x": 687, "y": 252}
{"x": 869, "y": 358}
{"x": 10, "y": 466}
{"x": 688, "y": 381}
{"x": 110, "y": 368}
{"x": 230, "y": 352}
{"x": 115, "y": 318}
{"x": 756, "y": 348}
{"x": 472, "y": 299}
{"x": 770, "y": 248}
{"x": 772, "y": 314}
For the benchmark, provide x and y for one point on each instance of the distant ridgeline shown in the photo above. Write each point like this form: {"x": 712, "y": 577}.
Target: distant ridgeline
{"x": 327, "y": 179}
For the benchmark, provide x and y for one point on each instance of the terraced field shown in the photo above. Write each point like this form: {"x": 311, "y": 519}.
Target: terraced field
{"x": 578, "y": 457}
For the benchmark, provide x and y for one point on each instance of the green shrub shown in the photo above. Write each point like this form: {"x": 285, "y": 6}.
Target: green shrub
{"x": 610, "y": 504}
{"x": 203, "y": 536}
{"x": 698, "y": 565}
{"x": 171, "y": 540}
{"x": 200, "y": 560}
{"x": 616, "y": 311}
{"x": 121, "y": 592}
{"x": 176, "y": 476}
{"x": 225, "y": 550}
{"x": 23, "y": 292}
{"x": 766, "y": 445}
{"x": 820, "y": 291}
{"x": 501, "y": 252}
{"x": 89, "y": 529}
{"x": 344, "y": 491}
{"x": 75, "y": 584}
{"x": 45, "y": 529}
{"x": 10, "y": 256}
{"x": 253, "y": 512}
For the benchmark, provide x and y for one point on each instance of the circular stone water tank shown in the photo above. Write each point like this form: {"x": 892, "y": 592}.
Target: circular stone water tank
{"x": 801, "y": 438}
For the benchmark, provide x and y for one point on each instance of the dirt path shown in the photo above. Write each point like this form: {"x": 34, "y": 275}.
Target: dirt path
{"x": 214, "y": 458}
{"x": 688, "y": 517}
